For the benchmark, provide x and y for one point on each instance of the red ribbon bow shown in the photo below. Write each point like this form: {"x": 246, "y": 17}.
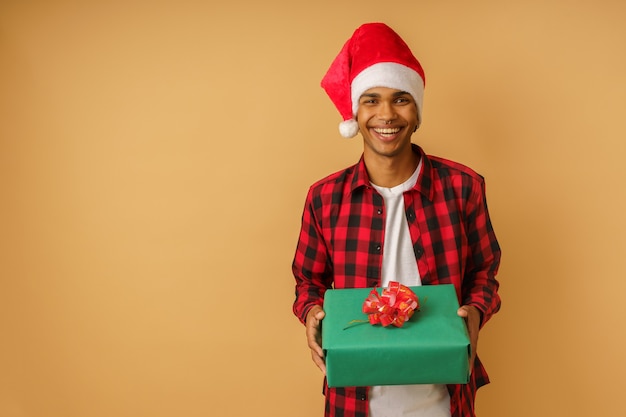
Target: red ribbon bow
{"x": 395, "y": 306}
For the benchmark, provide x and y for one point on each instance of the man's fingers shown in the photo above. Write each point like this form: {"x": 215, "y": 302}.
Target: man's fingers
{"x": 315, "y": 344}
{"x": 314, "y": 336}
{"x": 319, "y": 361}
{"x": 472, "y": 320}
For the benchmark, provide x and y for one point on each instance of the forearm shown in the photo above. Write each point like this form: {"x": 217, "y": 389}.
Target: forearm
{"x": 480, "y": 286}
{"x": 481, "y": 291}
{"x": 310, "y": 265}
{"x": 309, "y": 293}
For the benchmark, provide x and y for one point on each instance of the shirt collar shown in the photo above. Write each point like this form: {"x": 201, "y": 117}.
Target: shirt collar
{"x": 424, "y": 180}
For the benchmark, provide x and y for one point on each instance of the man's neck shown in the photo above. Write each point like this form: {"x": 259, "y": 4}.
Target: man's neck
{"x": 391, "y": 171}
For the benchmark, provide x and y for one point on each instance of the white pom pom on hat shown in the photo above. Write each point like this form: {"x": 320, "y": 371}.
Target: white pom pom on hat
{"x": 375, "y": 56}
{"x": 349, "y": 128}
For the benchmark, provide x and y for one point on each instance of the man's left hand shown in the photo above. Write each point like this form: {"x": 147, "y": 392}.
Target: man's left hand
{"x": 472, "y": 319}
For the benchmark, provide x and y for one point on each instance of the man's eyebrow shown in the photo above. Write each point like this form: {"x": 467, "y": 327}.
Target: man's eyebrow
{"x": 376, "y": 95}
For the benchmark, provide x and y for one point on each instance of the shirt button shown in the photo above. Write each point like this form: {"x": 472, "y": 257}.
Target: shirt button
{"x": 378, "y": 248}
{"x": 379, "y": 211}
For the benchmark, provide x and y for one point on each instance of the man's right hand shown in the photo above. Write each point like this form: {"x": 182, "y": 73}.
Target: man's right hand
{"x": 314, "y": 336}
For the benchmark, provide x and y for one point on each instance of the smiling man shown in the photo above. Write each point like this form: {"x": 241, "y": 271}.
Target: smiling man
{"x": 387, "y": 118}
{"x": 397, "y": 215}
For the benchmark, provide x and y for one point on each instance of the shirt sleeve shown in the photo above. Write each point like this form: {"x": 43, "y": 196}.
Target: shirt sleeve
{"x": 311, "y": 266}
{"x": 480, "y": 287}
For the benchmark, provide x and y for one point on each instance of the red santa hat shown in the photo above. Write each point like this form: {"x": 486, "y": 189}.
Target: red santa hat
{"x": 375, "y": 56}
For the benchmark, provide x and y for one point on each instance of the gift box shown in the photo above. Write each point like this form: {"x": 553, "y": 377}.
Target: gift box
{"x": 432, "y": 347}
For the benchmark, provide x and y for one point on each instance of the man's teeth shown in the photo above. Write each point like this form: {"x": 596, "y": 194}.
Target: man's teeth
{"x": 387, "y": 130}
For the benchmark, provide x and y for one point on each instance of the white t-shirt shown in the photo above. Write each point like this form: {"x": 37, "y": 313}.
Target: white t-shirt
{"x": 424, "y": 400}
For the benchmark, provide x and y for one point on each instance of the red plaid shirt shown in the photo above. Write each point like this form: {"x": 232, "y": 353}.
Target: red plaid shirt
{"x": 341, "y": 242}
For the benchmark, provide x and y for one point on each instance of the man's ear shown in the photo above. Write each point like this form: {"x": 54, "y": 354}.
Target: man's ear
{"x": 417, "y": 125}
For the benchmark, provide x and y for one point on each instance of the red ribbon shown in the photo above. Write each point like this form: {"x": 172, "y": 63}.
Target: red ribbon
{"x": 395, "y": 306}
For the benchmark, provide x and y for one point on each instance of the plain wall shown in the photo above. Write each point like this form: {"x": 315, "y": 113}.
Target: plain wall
{"x": 155, "y": 156}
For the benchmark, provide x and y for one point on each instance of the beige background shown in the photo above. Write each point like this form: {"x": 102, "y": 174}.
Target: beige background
{"x": 155, "y": 156}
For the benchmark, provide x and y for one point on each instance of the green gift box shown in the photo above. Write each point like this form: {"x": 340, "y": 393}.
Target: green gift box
{"x": 431, "y": 348}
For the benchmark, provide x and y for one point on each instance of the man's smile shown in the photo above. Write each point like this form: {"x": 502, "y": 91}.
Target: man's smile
{"x": 386, "y": 132}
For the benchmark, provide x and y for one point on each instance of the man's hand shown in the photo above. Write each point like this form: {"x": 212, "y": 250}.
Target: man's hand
{"x": 472, "y": 319}
{"x": 314, "y": 336}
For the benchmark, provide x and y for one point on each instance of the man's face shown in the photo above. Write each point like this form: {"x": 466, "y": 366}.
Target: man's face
{"x": 387, "y": 118}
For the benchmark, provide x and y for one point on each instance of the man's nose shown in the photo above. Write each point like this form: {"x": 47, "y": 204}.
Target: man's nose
{"x": 386, "y": 111}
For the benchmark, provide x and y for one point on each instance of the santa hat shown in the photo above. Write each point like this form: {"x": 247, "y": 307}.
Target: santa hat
{"x": 375, "y": 56}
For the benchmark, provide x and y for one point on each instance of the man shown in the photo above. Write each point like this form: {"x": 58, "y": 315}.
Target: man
{"x": 397, "y": 215}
